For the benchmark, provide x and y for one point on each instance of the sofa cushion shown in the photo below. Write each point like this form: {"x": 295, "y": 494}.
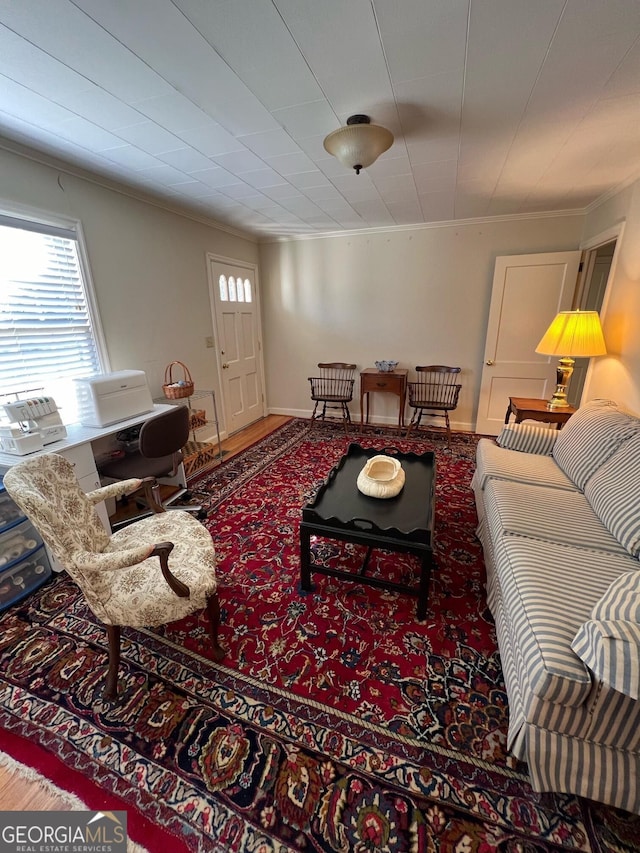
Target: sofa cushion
{"x": 527, "y": 438}
{"x": 503, "y": 464}
{"x": 609, "y": 642}
{"x": 590, "y": 437}
{"x": 548, "y": 592}
{"x": 539, "y": 512}
{"x": 614, "y": 494}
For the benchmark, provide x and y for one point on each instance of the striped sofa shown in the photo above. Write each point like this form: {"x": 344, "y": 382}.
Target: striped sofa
{"x": 559, "y": 522}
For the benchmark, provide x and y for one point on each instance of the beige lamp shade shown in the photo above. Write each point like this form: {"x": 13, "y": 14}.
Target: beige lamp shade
{"x": 574, "y": 333}
{"x": 571, "y": 335}
{"x": 359, "y": 144}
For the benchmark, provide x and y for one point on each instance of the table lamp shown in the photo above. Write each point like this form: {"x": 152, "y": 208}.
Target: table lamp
{"x": 571, "y": 335}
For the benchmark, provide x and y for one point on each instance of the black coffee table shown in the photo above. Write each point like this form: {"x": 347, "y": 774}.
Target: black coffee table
{"x": 404, "y": 523}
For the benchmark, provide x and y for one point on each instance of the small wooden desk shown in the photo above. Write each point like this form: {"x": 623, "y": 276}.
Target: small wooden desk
{"x": 532, "y": 409}
{"x": 393, "y": 382}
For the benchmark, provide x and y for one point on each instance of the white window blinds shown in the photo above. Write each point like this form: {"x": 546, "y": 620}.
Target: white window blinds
{"x": 46, "y": 329}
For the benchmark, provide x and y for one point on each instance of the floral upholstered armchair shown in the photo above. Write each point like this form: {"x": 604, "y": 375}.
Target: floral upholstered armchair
{"x": 156, "y": 570}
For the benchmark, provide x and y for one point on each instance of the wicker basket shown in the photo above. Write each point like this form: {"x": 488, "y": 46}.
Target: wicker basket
{"x": 198, "y": 419}
{"x": 197, "y": 456}
{"x": 176, "y": 389}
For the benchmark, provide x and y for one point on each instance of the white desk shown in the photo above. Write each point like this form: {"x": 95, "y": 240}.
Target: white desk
{"x": 77, "y": 448}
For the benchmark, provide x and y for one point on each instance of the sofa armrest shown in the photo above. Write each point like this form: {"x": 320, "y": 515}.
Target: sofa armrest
{"x": 611, "y": 650}
{"x": 609, "y": 642}
{"x": 528, "y": 439}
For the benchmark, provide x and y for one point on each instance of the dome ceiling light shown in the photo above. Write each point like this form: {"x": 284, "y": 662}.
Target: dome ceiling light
{"x": 359, "y": 144}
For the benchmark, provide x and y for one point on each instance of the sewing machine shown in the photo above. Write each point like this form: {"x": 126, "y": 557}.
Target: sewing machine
{"x": 30, "y": 425}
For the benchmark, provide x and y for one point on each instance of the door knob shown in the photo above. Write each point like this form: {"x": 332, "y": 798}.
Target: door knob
{"x": 489, "y": 362}
{"x": 224, "y": 366}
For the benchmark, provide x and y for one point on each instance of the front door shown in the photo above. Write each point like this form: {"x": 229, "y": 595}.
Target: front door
{"x": 528, "y": 291}
{"x": 238, "y": 341}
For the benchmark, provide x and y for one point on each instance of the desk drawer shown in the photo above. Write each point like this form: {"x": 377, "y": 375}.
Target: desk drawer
{"x": 383, "y": 383}
{"x": 10, "y": 514}
{"x": 20, "y": 580}
{"x": 17, "y": 543}
{"x": 81, "y": 457}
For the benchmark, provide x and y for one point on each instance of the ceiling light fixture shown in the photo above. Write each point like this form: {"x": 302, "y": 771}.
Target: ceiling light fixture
{"x": 359, "y": 144}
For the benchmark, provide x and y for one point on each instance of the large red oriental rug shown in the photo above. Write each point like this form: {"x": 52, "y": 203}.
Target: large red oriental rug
{"x": 337, "y": 722}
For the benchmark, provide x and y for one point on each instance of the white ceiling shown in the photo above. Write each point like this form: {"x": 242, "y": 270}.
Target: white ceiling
{"x": 498, "y": 107}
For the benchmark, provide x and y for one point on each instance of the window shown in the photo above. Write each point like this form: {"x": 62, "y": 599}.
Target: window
{"x": 222, "y": 282}
{"x": 49, "y": 332}
{"x": 234, "y": 291}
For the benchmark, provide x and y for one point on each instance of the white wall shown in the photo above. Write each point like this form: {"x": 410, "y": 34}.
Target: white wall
{"x": 420, "y": 296}
{"x": 148, "y": 267}
{"x": 617, "y": 375}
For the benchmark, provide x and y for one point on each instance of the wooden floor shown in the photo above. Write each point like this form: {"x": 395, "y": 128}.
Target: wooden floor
{"x": 247, "y": 437}
{"x": 20, "y": 794}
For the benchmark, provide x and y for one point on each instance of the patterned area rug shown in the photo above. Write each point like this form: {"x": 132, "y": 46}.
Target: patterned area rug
{"x": 337, "y": 721}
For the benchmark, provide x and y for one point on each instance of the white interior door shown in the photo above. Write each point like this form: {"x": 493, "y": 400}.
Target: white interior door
{"x": 528, "y": 291}
{"x": 238, "y": 342}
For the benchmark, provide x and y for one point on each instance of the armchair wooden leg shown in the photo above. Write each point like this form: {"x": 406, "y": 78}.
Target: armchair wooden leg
{"x": 111, "y": 687}
{"x": 213, "y": 611}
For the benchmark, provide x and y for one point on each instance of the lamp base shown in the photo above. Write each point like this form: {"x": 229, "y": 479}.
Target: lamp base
{"x": 563, "y": 375}
{"x": 558, "y": 402}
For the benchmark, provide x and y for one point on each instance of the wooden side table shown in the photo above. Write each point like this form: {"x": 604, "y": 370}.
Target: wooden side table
{"x": 393, "y": 382}
{"x": 532, "y": 409}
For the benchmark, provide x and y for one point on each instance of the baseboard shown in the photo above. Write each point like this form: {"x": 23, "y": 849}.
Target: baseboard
{"x": 456, "y": 426}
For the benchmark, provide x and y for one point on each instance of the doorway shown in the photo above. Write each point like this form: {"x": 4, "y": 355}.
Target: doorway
{"x": 527, "y": 291}
{"x": 238, "y": 340}
{"x": 596, "y": 267}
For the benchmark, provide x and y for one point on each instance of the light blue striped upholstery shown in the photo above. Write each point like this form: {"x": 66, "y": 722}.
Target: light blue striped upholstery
{"x": 590, "y": 437}
{"x": 559, "y": 566}
{"x": 520, "y": 509}
{"x": 611, "y": 650}
{"x": 576, "y": 766}
{"x": 585, "y": 749}
{"x": 614, "y": 494}
{"x": 498, "y": 462}
{"x": 609, "y": 643}
{"x": 546, "y": 606}
{"x": 621, "y": 599}
{"x": 527, "y": 438}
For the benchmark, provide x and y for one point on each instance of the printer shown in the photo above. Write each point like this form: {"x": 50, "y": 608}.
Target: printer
{"x": 112, "y": 397}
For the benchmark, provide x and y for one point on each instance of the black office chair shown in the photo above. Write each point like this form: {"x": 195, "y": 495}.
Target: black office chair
{"x": 159, "y": 454}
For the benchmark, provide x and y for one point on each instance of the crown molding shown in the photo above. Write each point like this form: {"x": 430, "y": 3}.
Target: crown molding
{"x": 53, "y": 162}
{"x": 605, "y": 197}
{"x": 422, "y": 226}
{"x": 22, "y": 150}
